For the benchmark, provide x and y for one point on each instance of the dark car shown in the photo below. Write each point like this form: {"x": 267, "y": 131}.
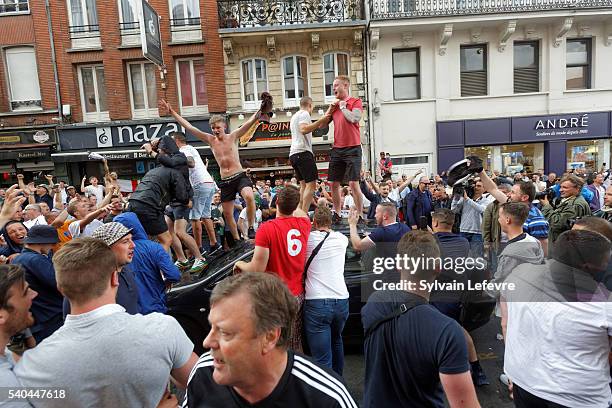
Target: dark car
{"x": 188, "y": 301}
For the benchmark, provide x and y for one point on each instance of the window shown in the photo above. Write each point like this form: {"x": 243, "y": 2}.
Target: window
{"x": 333, "y": 65}
{"x": 254, "y": 75}
{"x": 20, "y": 64}
{"x": 192, "y": 86}
{"x": 13, "y": 6}
{"x": 185, "y": 12}
{"x": 93, "y": 93}
{"x": 83, "y": 16}
{"x": 578, "y": 60}
{"x": 128, "y": 22}
{"x": 295, "y": 78}
{"x": 143, "y": 90}
{"x": 406, "y": 80}
{"x": 526, "y": 67}
{"x": 473, "y": 61}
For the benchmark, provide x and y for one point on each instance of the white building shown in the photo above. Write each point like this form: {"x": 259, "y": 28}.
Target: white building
{"x": 519, "y": 83}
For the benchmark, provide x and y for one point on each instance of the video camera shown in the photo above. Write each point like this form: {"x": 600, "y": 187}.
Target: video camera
{"x": 549, "y": 193}
{"x": 461, "y": 175}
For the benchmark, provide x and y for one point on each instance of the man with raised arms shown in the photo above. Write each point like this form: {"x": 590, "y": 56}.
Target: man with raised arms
{"x": 233, "y": 177}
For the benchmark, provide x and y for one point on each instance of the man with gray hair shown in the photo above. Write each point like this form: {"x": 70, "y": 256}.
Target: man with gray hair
{"x": 300, "y": 154}
{"x": 251, "y": 319}
{"x": 33, "y": 216}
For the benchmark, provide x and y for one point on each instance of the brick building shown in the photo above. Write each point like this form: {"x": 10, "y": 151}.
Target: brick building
{"x": 28, "y": 94}
{"x": 110, "y": 93}
{"x": 291, "y": 49}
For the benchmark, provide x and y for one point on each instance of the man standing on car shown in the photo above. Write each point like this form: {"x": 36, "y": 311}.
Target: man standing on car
{"x": 346, "y": 152}
{"x": 413, "y": 353}
{"x": 280, "y": 248}
{"x": 300, "y": 154}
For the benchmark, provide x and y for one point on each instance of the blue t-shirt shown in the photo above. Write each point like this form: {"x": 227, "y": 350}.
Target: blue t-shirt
{"x": 390, "y": 233}
{"x": 404, "y": 356}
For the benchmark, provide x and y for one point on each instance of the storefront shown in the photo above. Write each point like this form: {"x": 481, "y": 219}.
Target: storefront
{"x": 120, "y": 143}
{"x": 533, "y": 143}
{"x": 27, "y": 152}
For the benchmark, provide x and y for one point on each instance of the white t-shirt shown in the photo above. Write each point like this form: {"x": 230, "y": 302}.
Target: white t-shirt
{"x": 349, "y": 202}
{"x": 299, "y": 141}
{"x": 243, "y": 215}
{"x": 98, "y": 191}
{"x": 8, "y": 379}
{"x": 75, "y": 228}
{"x": 40, "y": 220}
{"x": 197, "y": 174}
{"x": 325, "y": 279}
{"x": 557, "y": 350}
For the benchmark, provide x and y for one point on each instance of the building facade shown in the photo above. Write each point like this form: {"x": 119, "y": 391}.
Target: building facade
{"x": 29, "y": 102}
{"x": 521, "y": 85}
{"x": 110, "y": 94}
{"x": 291, "y": 50}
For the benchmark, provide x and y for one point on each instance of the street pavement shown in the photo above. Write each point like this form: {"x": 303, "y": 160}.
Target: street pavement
{"x": 490, "y": 352}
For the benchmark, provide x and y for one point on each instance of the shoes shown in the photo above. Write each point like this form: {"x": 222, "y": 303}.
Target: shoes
{"x": 479, "y": 378}
{"x": 183, "y": 266}
{"x": 251, "y": 233}
{"x": 212, "y": 249}
{"x": 336, "y": 219}
{"x": 503, "y": 378}
{"x": 198, "y": 266}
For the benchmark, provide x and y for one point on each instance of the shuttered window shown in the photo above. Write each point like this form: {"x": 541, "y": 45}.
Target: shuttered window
{"x": 473, "y": 61}
{"x": 526, "y": 67}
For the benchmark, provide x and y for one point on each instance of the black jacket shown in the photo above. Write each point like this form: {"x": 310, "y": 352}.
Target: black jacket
{"x": 173, "y": 158}
{"x": 159, "y": 187}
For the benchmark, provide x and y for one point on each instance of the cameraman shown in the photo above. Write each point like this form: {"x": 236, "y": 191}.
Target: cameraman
{"x": 571, "y": 206}
{"x": 606, "y": 211}
{"x": 471, "y": 210}
{"x": 523, "y": 191}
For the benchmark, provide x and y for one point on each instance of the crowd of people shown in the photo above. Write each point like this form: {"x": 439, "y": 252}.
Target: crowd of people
{"x": 84, "y": 275}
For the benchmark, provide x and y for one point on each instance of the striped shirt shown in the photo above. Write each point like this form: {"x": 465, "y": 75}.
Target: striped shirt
{"x": 536, "y": 225}
{"x": 303, "y": 384}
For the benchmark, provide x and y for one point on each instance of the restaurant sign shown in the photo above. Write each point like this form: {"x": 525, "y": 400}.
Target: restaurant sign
{"x": 268, "y": 132}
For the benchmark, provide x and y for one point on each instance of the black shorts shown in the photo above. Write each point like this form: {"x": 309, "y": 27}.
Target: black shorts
{"x": 345, "y": 164}
{"x": 180, "y": 212}
{"x": 232, "y": 185}
{"x": 305, "y": 166}
{"x": 152, "y": 219}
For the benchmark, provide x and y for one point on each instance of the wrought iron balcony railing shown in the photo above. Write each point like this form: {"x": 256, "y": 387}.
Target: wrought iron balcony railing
{"x": 131, "y": 28}
{"x": 14, "y": 6}
{"x": 184, "y": 22}
{"x": 390, "y": 9}
{"x": 254, "y": 13}
{"x": 85, "y": 31}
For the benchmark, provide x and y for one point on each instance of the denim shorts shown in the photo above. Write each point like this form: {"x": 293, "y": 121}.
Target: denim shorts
{"x": 202, "y": 200}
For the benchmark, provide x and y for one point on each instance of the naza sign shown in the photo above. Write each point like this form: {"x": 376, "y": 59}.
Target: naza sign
{"x": 129, "y": 134}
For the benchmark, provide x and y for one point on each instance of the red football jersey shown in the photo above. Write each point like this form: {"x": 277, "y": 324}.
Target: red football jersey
{"x": 287, "y": 239}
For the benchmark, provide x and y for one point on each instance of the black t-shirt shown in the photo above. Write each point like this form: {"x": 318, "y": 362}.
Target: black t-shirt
{"x": 303, "y": 384}
{"x": 404, "y": 356}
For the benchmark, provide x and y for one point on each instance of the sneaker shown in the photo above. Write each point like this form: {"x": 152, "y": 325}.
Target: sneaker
{"x": 251, "y": 233}
{"x": 503, "y": 378}
{"x": 211, "y": 250}
{"x": 479, "y": 378}
{"x": 198, "y": 266}
{"x": 182, "y": 265}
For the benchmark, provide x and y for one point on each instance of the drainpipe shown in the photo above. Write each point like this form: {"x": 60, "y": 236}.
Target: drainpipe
{"x": 371, "y": 100}
{"x": 54, "y": 63}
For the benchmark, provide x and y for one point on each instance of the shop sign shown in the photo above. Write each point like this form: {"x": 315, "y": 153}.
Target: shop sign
{"x": 125, "y": 155}
{"x": 267, "y": 132}
{"x": 28, "y": 137}
{"x": 122, "y": 135}
{"x": 24, "y": 154}
{"x": 568, "y": 126}
{"x": 41, "y": 136}
{"x": 10, "y": 139}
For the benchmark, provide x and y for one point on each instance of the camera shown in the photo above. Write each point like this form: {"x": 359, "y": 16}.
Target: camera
{"x": 466, "y": 186}
{"x": 549, "y": 193}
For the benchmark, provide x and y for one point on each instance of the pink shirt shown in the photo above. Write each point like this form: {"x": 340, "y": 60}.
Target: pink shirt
{"x": 346, "y": 134}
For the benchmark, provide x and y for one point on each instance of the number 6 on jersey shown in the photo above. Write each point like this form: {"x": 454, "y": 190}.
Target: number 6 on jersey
{"x": 294, "y": 245}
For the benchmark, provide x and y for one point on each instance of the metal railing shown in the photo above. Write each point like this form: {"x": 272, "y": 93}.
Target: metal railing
{"x": 253, "y": 13}
{"x": 85, "y": 31}
{"x": 390, "y": 9}
{"x": 15, "y": 6}
{"x": 129, "y": 29}
{"x": 15, "y": 105}
{"x": 184, "y": 22}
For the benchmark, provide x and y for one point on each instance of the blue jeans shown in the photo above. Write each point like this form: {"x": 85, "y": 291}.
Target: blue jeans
{"x": 476, "y": 244}
{"x": 324, "y": 321}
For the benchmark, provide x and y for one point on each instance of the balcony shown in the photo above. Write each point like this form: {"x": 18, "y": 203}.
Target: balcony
{"x": 130, "y": 34}
{"x": 14, "y": 7}
{"x": 186, "y": 29}
{"x": 253, "y": 13}
{"x": 390, "y": 9}
{"x": 85, "y": 37}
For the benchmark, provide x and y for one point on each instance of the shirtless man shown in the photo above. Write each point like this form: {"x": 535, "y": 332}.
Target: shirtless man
{"x": 233, "y": 177}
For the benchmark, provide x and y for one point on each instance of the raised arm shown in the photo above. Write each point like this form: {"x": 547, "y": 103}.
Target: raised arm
{"x": 83, "y": 184}
{"x": 203, "y": 136}
{"x": 92, "y": 216}
{"x": 491, "y": 188}
{"x": 107, "y": 198}
{"x": 307, "y": 128}
{"x": 409, "y": 180}
{"x": 12, "y": 204}
{"x": 238, "y": 133}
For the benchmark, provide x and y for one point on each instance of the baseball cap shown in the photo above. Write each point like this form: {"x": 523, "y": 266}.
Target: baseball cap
{"x": 42, "y": 234}
{"x": 111, "y": 232}
{"x": 46, "y": 187}
{"x": 70, "y": 187}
